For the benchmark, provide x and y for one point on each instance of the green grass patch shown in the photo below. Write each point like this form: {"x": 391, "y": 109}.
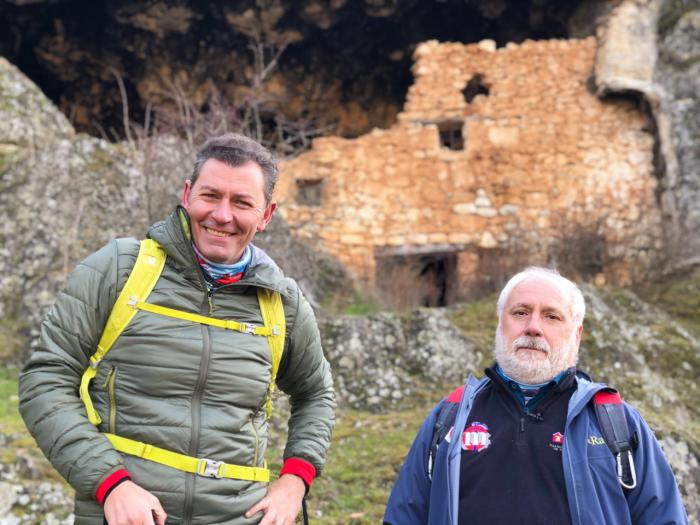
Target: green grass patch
{"x": 10, "y": 420}
{"x": 366, "y": 454}
{"x": 679, "y": 297}
{"x": 361, "y": 308}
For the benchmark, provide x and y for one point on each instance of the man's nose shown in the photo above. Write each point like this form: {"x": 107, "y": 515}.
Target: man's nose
{"x": 223, "y": 212}
{"x": 533, "y": 327}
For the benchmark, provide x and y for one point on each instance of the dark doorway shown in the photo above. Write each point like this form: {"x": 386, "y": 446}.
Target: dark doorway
{"x": 413, "y": 280}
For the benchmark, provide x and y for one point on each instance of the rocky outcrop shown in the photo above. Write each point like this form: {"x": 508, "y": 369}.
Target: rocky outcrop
{"x": 379, "y": 361}
{"x": 649, "y": 49}
{"x": 678, "y": 72}
{"x": 54, "y": 186}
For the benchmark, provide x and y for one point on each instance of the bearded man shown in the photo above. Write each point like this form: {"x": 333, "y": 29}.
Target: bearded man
{"x": 529, "y": 448}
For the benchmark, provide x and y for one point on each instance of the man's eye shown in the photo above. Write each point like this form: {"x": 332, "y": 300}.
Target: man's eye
{"x": 519, "y": 313}
{"x": 553, "y": 317}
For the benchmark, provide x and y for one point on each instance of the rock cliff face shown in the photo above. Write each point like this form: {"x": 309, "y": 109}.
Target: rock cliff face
{"x": 678, "y": 72}
{"x": 649, "y": 49}
{"x": 346, "y": 64}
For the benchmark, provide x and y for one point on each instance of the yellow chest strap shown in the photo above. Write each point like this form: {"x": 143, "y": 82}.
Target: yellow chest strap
{"x": 142, "y": 279}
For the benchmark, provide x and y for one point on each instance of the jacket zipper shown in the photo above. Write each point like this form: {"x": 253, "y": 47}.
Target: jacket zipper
{"x": 196, "y": 410}
{"x": 109, "y": 385}
{"x": 210, "y": 302}
{"x": 257, "y": 440}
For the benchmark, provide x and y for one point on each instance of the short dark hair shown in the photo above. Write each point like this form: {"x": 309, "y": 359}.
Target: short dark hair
{"x": 236, "y": 150}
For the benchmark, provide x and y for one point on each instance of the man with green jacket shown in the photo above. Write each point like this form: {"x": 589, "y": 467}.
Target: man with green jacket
{"x": 184, "y": 392}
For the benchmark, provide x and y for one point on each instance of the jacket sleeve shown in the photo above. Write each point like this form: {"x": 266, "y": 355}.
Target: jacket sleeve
{"x": 48, "y": 384}
{"x": 656, "y": 498}
{"x": 305, "y": 376}
{"x": 409, "y": 502}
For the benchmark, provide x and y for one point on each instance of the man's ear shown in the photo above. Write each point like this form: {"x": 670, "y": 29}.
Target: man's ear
{"x": 267, "y": 216}
{"x": 579, "y": 332}
{"x": 185, "y": 199}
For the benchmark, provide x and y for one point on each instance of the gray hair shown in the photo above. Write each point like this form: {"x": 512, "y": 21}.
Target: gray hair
{"x": 236, "y": 150}
{"x": 567, "y": 287}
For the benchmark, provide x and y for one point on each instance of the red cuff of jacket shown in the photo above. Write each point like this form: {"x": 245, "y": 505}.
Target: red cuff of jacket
{"x": 108, "y": 484}
{"x": 305, "y": 470}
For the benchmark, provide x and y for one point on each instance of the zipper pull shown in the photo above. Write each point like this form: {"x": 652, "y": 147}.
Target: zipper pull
{"x": 211, "y": 304}
{"x": 522, "y": 423}
{"x": 109, "y": 376}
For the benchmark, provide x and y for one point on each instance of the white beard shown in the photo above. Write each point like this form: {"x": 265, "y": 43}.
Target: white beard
{"x": 531, "y": 369}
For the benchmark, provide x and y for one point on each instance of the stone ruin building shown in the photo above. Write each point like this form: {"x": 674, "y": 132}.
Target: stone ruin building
{"x": 501, "y": 158}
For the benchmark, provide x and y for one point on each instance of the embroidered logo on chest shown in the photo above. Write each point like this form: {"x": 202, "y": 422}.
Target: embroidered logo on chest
{"x": 475, "y": 438}
{"x": 557, "y": 441}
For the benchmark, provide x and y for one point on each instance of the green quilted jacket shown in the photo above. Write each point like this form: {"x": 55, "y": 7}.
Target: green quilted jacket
{"x": 194, "y": 389}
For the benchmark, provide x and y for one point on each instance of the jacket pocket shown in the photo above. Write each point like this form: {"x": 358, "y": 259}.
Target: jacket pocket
{"x": 109, "y": 384}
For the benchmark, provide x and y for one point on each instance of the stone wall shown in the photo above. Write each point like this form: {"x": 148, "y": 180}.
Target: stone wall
{"x": 547, "y": 170}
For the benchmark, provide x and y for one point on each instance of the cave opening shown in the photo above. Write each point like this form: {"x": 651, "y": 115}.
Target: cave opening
{"x": 344, "y": 67}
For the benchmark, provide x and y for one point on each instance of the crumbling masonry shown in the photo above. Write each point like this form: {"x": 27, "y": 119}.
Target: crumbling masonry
{"x": 501, "y": 157}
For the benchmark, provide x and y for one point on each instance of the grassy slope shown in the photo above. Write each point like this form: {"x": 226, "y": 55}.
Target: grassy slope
{"x": 9, "y": 418}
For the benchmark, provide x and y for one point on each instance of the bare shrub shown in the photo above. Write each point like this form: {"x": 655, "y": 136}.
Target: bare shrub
{"x": 601, "y": 250}
{"x": 412, "y": 280}
{"x": 581, "y": 251}
{"x": 493, "y": 269}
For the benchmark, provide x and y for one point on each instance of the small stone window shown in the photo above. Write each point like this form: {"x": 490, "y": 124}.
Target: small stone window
{"x": 475, "y": 87}
{"x": 309, "y": 192}
{"x": 451, "y": 135}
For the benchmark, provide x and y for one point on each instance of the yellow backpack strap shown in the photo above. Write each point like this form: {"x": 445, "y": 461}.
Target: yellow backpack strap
{"x": 202, "y": 466}
{"x": 273, "y": 316}
{"x": 147, "y": 269}
{"x": 245, "y": 328}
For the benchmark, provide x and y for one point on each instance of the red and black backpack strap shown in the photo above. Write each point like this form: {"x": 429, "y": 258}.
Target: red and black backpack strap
{"x": 610, "y": 412}
{"x": 445, "y": 420}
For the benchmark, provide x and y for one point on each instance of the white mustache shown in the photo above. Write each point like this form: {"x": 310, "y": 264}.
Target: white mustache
{"x": 531, "y": 342}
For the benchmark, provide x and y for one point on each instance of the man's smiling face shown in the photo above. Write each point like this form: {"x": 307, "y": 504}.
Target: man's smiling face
{"x": 227, "y": 207}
